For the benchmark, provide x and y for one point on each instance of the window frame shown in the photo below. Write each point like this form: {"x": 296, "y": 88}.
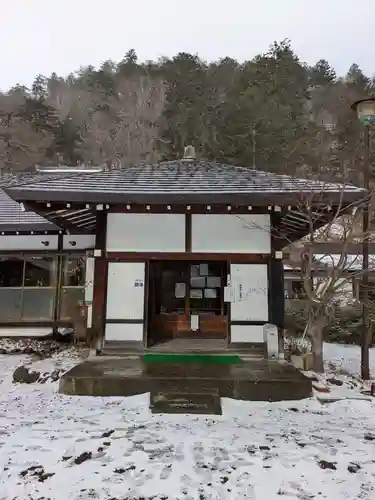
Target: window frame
{"x": 62, "y": 288}
{"x": 22, "y": 288}
{"x": 57, "y": 287}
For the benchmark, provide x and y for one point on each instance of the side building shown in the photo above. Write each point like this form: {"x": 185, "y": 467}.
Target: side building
{"x": 42, "y": 270}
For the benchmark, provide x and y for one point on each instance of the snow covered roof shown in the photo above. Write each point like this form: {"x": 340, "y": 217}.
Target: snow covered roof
{"x": 352, "y": 262}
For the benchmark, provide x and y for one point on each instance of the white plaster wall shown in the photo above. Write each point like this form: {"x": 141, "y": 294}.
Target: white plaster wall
{"x": 125, "y": 300}
{"x": 247, "y": 333}
{"x": 249, "y": 285}
{"x": 146, "y": 233}
{"x": 124, "y": 332}
{"x": 78, "y": 241}
{"x": 28, "y": 242}
{"x": 231, "y": 233}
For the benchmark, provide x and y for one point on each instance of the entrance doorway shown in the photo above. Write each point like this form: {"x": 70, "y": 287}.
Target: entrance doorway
{"x": 186, "y": 300}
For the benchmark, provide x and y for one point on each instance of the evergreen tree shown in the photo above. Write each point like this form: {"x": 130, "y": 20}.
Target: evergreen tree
{"x": 322, "y": 74}
{"x": 272, "y": 112}
{"x": 186, "y": 104}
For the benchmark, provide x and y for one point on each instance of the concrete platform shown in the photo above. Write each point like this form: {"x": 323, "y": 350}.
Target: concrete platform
{"x": 251, "y": 380}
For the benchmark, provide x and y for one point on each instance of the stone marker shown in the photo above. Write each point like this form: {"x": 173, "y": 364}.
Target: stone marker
{"x": 177, "y": 402}
{"x": 271, "y": 339}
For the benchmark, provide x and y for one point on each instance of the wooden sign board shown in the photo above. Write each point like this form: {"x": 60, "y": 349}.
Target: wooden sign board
{"x": 189, "y": 403}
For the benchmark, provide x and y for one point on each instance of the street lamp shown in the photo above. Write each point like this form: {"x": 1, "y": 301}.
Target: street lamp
{"x": 365, "y": 109}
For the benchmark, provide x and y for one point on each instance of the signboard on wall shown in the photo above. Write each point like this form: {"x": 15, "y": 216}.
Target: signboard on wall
{"x": 125, "y": 291}
{"x": 248, "y": 292}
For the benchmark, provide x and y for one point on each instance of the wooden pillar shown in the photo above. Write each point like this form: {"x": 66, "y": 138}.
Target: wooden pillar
{"x": 188, "y": 230}
{"x": 277, "y": 310}
{"x": 276, "y": 282}
{"x": 100, "y": 282}
{"x": 59, "y": 282}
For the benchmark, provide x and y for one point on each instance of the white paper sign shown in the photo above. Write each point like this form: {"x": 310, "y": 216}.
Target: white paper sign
{"x": 194, "y": 322}
{"x": 250, "y": 292}
{"x": 228, "y": 294}
{"x": 203, "y": 269}
{"x": 180, "y": 290}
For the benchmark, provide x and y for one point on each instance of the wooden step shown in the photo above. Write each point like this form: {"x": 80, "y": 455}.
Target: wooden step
{"x": 129, "y": 348}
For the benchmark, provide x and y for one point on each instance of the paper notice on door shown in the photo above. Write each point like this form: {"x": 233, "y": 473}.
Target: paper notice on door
{"x": 203, "y": 269}
{"x": 180, "y": 290}
{"x": 196, "y": 293}
{"x": 194, "y": 322}
{"x": 213, "y": 281}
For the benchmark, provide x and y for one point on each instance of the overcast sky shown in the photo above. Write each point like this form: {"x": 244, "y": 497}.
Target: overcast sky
{"x": 42, "y": 36}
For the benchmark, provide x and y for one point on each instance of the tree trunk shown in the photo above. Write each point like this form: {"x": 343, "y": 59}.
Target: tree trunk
{"x": 315, "y": 333}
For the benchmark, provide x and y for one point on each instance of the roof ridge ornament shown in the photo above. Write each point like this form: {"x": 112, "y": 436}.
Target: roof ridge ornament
{"x": 189, "y": 154}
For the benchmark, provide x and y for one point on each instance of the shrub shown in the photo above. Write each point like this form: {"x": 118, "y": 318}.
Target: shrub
{"x": 345, "y": 325}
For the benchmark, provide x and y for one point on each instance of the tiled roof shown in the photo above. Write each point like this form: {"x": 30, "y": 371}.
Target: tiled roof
{"x": 13, "y": 218}
{"x": 178, "y": 181}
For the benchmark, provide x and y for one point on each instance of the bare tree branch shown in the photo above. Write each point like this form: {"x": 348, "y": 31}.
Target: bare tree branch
{"x": 123, "y": 126}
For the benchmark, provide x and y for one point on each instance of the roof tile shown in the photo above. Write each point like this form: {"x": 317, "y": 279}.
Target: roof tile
{"x": 12, "y": 216}
{"x": 180, "y": 177}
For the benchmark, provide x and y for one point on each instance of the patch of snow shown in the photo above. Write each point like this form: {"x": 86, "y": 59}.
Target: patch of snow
{"x": 347, "y": 358}
{"x": 29, "y": 346}
{"x": 342, "y": 374}
{"x": 258, "y": 451}
{"x": 62, "y": 360}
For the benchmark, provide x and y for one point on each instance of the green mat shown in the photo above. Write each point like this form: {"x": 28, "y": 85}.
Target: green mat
{"x": 210, "y": 359}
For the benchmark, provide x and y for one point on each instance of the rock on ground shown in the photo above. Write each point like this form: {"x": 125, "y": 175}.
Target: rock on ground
{"x": 23, "y": 375}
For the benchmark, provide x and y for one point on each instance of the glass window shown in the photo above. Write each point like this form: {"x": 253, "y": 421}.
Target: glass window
{"x": 27, "y": 288}
{"x": 11, "y": 272}
{"x": 33, "y": 280}
{"x": 74, "y": 272}
{"x": 37, "y": 304}
{"x": 71, "y": 298}
{"x": 73, "y": 291}
{"x": 298, "y": 290}
{"x": 39, "y": 271}
{"x": 10, "y": 304}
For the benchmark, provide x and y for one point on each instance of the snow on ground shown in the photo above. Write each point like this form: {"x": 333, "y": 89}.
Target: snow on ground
{"x": 342, "y": 372}
{"x": 347, "y": 358}
{"x": 113, "y": 448}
